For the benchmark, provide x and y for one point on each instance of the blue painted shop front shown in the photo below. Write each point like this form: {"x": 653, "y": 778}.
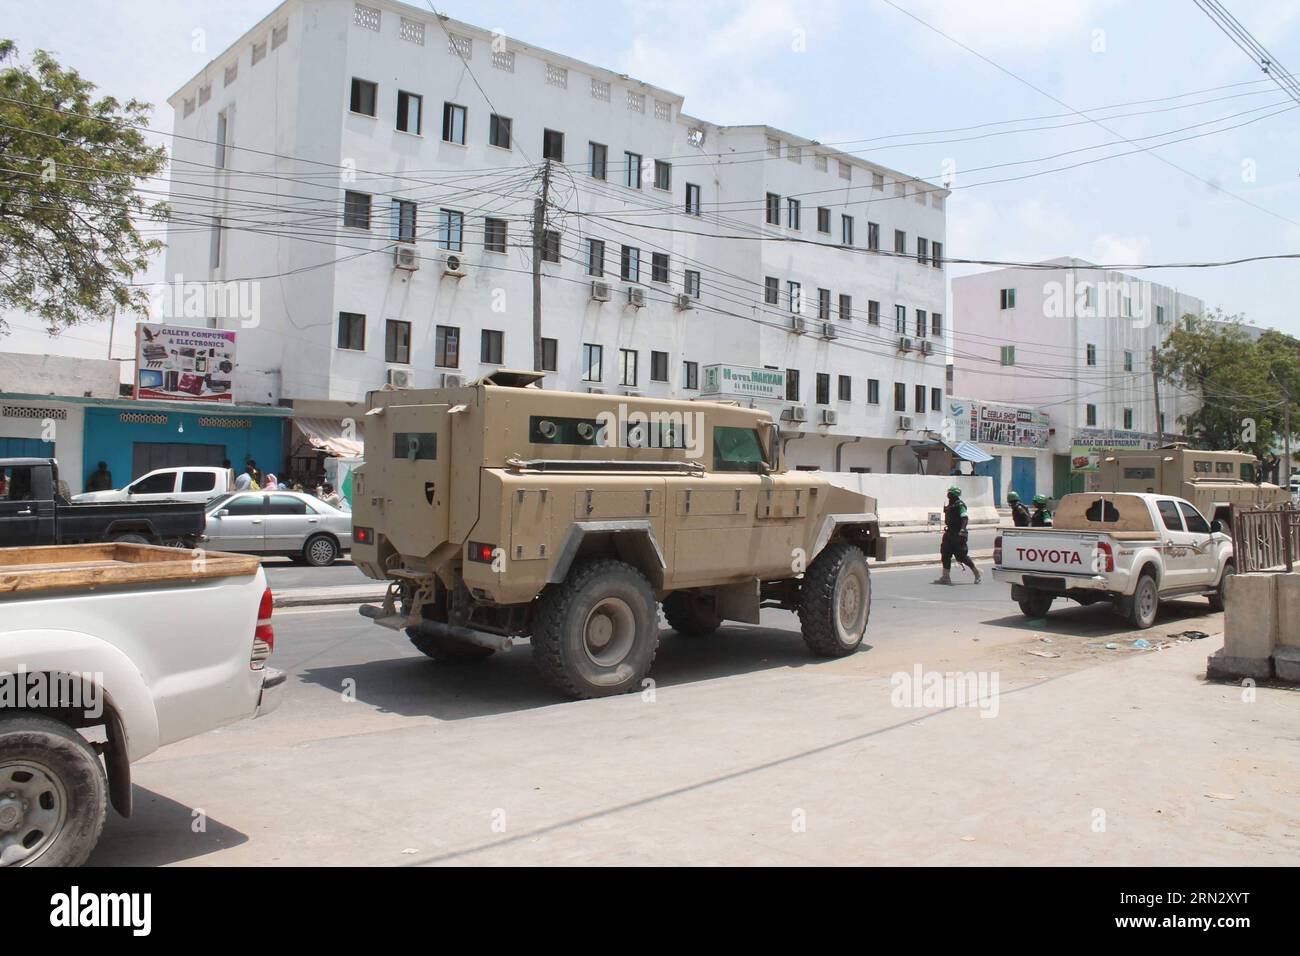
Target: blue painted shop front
{"x": 137, "y": 438}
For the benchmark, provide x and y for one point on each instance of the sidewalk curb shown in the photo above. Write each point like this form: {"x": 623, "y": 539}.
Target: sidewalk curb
{"x": 313, "y": 597}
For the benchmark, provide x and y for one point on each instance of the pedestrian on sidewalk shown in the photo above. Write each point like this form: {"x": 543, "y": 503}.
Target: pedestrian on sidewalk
{"x": 101, "y": 479}
{"x": 1019, "y": 513}
{"x": 1041, "y": 518}
{"x": 956, "y": 538}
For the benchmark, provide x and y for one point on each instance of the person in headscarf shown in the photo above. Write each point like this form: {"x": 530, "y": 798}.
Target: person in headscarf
{"x": 271, "y": 483}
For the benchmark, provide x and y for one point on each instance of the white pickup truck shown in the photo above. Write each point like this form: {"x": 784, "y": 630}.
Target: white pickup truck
{"x": 111, "y": 651}
{"x": 1133, "y": 550}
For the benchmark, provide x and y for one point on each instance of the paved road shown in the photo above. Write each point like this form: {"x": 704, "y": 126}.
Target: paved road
{"x": 379, "y": 756}
{"x": 283, "y": 574}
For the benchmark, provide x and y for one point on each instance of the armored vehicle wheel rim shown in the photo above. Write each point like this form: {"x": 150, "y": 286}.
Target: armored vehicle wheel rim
{"x": 33, "y": 810}
{"x": 849, "y": 600}
{"x": 609, "y": 632}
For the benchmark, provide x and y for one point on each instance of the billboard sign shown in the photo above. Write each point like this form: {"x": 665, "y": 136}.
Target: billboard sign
{"x": 180, "y": 364}
{"x": 742, "y": 381}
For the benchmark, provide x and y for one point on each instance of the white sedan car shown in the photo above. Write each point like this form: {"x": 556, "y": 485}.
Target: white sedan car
{"x": 279, "y": 523}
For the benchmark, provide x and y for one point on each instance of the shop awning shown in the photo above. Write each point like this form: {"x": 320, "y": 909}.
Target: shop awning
{"x": 328, "y": 435}
{"x": 968, "y": 451}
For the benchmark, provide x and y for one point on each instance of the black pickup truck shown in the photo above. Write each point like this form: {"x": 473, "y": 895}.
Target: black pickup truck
{"x": 35, "y": 510}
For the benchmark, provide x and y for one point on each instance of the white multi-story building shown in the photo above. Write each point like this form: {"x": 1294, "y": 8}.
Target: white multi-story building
{"x": 1074, "y": 342}
{"x": 372, "y": 170}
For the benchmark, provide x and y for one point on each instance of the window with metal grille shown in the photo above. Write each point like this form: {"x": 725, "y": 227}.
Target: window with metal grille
{"x": 356, "y": 210}
{"x": 494, "y": 234}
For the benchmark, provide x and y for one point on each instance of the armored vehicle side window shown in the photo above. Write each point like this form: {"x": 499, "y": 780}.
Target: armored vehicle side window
{"x": 1248, "y": 471}
{"x": 415, "y": 446}
{"x": 1169, "y": 515}
{"x": 1202, "y": 467}
{"x": 1223, "y": 468}
{"x": 736, "y": 449}
{"x": 1140, "y": 474}
{"x": 553, "y": 430}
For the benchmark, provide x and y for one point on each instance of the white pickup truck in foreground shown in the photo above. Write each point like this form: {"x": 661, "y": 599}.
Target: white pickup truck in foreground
{"x": 1133, "y": 550}
{"x": 111, "y": 651}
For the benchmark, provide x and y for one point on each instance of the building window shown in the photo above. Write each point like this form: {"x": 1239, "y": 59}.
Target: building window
{"x": 494, "y": 235}
{"x": 900, "y": 319}
{"x": 550, "y": 355}
{"x": 846, "y": 307}
{"x": 771, "y": 290}
{"x": 593, "y": 357}
{"x": 823, "y": 396}
{"x": 659, "y": 266}
{"x": 402, "y": 220}
{"x": 597, "y": 153}
{"x": 550, "y": 245}
{"x": 920, "y": 323}
{"x": 691, "y": 284}
{"x": 410, "y": 109}
{"x": 492, "y": 345}
{"x": 900, "y": 397}
{"x": 823, "y": 220}
{"x": 873, "y": 312}
{"x": 223, "y": 133}
{"x": 1128, "y": 419}
{"x": 922, "y": 250}
{"x": 1090, "y": 414}
{"x": 214, "y": 242}
{"x": 397, "y": 342}
{"x": 773, "y": 209}
{"x": 1008, "y": 355}
{"x": 792, "y": 207}
{"x": 630, "y": 264}
{"x": 919, "y": 405}
{"x": 632, "y": 170}
{"x": 900, "y": 242}
{"x": 692, "y": 199}
{"x": 873, "y": 391}
{"x": 845, "y": 388}
{"x": 824, "y": 305}
{"x": 259, "y": 52}
{"x": 663, "y": 175}
{"x": 936, "y": 324}
{"x": 451, "y": 229}
{"x": 364, "y": 95}
{"x": 1128, "y": 361}
{"x": 936, "y": 399}
{"x": 1091, "y": 358}
{"x": 453, "y": 123}
{"x": 794, "y": 292}
{"x": 356, "y": 210}
{"x": 1008, "y": 298}
{"x": 846, "y": 230}
{"x": 936, "y": 254}
{"x": 499, "y": 131}
{"x": 873, "y": 235}
{"x": 352, "y": 331}
{"x": 553, "y": 145}
{"x": 595, "y": 257}
{"x": 1160, "y": 315}
{"x": 691, "y": 375}
{"x": 447, "y": 346}
{"x": 792, "y": 385}
{"x": 627, "y": 367}
{"x": 658, "y": 366}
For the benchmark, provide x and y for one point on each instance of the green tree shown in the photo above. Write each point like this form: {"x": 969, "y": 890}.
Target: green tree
{"x": 70, "y": 168}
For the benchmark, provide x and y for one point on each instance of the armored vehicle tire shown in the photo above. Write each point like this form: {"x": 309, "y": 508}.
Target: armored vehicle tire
{"x": 835, "y": 601}
{"x": 446, "y": 650}
{"x": 595, "y": 635}
{"x": 689, "y": 615}
{"x": 1035, "y": 603}
{"x": 53, "y": 794}
{"x": 1218, "y": 600}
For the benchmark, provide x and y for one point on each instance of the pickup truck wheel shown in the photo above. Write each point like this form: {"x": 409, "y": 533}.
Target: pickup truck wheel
{"x": 1218, "y": 600}
{"x": 596, "y": 634}
{"x": 320, "y": 551}
{"x": 132, "y": 539}
{"x": 53, "y": 794}
{"x": 691, "y": 615}
{"x": 1141, "y": 608}
{"x": 835, "y": 601}
{"x": 447, "y": 650}
{"x": 1035, "y": 603}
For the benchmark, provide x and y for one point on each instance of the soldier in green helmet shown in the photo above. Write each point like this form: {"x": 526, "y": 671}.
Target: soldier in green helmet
{"x": 955, "y": 542}
{"x": 1019, "y": 513}
{"x": 1041, "y": 518}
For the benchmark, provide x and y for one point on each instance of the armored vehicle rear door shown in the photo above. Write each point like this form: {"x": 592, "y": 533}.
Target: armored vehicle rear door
{"x": 410, "y": 463}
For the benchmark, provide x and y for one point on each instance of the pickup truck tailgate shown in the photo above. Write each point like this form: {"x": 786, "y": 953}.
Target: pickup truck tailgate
{"x": 1049, "y": 552}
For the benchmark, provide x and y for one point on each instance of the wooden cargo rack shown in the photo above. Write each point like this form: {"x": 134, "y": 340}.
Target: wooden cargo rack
{"x": 74, "y": 567}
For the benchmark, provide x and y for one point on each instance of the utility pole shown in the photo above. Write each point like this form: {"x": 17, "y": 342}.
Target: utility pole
{"x": 539, "y": 233}
{"x": 1284, "y": 473}
{"x": 1155, "y": 385}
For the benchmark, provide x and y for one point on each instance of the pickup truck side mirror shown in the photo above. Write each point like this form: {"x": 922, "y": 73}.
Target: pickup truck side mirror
{"x": 1216, "y": 527}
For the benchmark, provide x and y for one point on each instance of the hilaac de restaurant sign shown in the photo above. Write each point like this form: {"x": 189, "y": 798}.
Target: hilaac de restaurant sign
{"x": 740, "y": 380}
{"x": 184, "y": 364}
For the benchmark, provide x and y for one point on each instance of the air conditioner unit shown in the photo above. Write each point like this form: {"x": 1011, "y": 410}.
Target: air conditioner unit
{"x": 927, "y": 347}
{"x": 796, "y": 324}
{"x": 904, "y": 344}
{"x": 453, "y": 265}
{"x": 904, "y": 423}
{"x": 450, "y": 380}
{"x": 600, "y": 291}
{"x": 683, "y": 301}
{"x": 404, "y": 257}
{"x": 795, "y": 413}
{"x": 635, "y": 296}
{"x": 828, "y": 330}
{"x": 829, "y": 416}
{"x": 400, "y": 378}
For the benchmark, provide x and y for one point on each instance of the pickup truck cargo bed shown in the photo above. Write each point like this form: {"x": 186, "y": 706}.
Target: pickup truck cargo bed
{"x": 26, "y": 571}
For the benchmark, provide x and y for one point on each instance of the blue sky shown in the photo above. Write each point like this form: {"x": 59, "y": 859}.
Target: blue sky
{"x": 844, "y": 71}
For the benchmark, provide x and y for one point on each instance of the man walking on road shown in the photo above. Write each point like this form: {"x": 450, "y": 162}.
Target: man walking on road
{"x": 955, "y": 542}
{"x": 1019, "y": 513}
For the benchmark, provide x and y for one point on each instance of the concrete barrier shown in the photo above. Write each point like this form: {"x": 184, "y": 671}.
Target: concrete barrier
{"x": 1261, "y": 629}
{"x": 919, "y": 499}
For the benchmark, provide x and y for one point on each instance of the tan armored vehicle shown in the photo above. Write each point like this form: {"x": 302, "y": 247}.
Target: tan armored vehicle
{"x": 1211, "y": 480}
{"x": 500, "y": 510}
